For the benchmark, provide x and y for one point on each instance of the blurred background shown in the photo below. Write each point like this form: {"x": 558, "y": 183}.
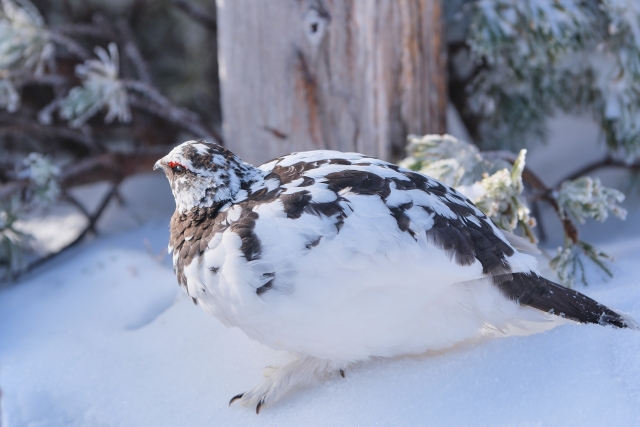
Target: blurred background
{"x": 92, "y": 93}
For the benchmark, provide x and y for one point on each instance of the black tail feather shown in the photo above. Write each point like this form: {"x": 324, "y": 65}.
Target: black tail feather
{"x": 538, "y": 292}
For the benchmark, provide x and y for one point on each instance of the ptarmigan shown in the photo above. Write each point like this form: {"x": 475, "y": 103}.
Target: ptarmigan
{"x": 339, "y": 257}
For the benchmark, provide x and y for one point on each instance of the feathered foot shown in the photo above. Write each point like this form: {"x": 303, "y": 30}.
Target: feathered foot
{"x": 279, "y": 380}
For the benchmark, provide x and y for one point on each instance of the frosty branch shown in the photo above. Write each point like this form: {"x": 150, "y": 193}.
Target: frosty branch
{"x": 513, "y": 64}
{"x": 495, "y": 180}
{"x": 40, "y": 183}
{"x": 34, "y": 56}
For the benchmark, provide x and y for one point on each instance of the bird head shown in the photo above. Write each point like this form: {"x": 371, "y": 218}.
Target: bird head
{"x": 202, "y": 174}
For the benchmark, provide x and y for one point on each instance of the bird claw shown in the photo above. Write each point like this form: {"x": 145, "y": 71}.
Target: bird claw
{"x": 236, "y": 397}
{"x": 280, "y": 380}
{"x": 239, "y": 396}
{"x": 260, "y": 405}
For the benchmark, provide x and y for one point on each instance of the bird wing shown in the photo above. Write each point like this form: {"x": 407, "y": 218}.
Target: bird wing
{"x": 372, "y": 205}
{"x": 307, "y": 198}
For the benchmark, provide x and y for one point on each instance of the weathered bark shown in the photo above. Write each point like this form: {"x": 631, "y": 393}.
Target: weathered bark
{"x": 350, "y": 75}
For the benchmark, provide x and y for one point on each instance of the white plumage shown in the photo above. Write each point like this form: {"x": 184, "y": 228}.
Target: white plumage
{"x": 338, "y": 257}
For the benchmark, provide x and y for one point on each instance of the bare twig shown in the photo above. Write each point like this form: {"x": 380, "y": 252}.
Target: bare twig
{"x": 535, "y": 211}
{"x": 11, "y": 187}
{"x": 91, "y": 227}
{"x": 606, "y": 162}
{"x": 69, "y": 44}
{"x": 153, "y": 94}
{"x": 101, "y": 167}
{"x": 89, "y": 30}
{"x": 22, "y": 127}
{"x": 570, "y": 230}
{"x": 197, "y": 13}
{"x": 164, "y": 109}
{"x": 105, "y": 24}
{"x": 23, "y": 78}
{"x": 46, "y": 113}
{"x": 65, "y": 196}
{"x": 132, "y": 51}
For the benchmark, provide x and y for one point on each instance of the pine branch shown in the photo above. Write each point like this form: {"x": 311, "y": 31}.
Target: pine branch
{"x": 114, "y": 167}
{"x": 606, "y": 162}
{"x": 96, "y": 164}
{"x": 542, "y": 192}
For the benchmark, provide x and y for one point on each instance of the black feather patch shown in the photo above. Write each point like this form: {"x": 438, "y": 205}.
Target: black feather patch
{"x": 401, "y": 218}
{"x": 540, "y": 293}
{"x": 306, "y": 181}
{"x": 454, "y": 240}
{"x": 328, "y": 209}
{"x": 264, "y": 288}
{"x": 287, "y": 174}
{"x": 244, "y": 227}
{"x": 359, "y": 182}
{"x": 465, "y": 241}
{"x": 314, "y": 243}
{"x": 294, "y": 204}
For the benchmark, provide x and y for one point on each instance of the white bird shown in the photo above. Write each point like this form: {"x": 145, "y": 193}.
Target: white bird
{"x": 339, "y": 257}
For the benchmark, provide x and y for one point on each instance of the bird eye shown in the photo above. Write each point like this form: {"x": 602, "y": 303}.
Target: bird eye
{"x": 177, "y": 167}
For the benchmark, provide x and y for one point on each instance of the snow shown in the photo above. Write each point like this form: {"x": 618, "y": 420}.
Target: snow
{"x": 103, "y": 336}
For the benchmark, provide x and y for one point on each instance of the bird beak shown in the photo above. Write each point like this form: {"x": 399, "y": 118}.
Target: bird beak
{"x": 158, "y": 165}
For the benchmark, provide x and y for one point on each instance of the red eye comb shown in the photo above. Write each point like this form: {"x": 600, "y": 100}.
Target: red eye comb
{"x": 176, "y": 164}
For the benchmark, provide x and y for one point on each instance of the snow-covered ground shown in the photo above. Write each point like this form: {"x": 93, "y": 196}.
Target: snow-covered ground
{"x": 103, "y": 336}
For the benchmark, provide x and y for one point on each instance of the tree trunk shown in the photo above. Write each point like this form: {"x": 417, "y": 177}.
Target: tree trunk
{"x": 348, "y": 75}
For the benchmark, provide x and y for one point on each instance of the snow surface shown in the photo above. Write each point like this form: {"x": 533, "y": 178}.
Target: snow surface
{"x": 103, "y": 336}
